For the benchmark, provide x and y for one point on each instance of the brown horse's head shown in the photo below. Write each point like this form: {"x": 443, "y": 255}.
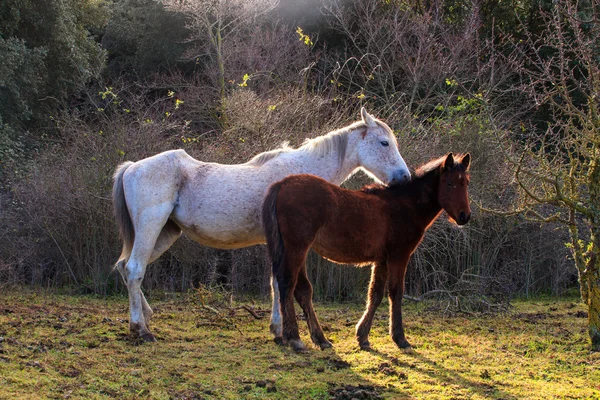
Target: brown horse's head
{"x": 454, "y": 182}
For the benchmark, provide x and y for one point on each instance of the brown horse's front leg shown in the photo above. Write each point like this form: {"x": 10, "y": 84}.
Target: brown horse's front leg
{"x": 376, "y": 291}
{"x": 396, "y": 292}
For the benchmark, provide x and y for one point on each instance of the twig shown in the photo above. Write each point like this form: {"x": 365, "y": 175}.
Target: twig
{"x": 422, "y": 297}
{"x": 250, "y": 310}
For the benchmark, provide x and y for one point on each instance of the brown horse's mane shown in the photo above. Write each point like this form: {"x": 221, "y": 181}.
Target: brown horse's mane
{"x": 422, "y": 175}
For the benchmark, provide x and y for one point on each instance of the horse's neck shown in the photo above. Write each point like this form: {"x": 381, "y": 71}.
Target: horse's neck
{"x": 350, "y": 163}
{"x": 425, "y": 197}
{"x": 328, "y": 166}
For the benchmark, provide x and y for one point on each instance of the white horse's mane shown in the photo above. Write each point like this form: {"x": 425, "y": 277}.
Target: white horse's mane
{"x": 333, "y": 141}
{"x": 263, "y": 158}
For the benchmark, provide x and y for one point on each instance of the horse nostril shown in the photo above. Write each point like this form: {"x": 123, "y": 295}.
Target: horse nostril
{"x": 400, "y": 178}
{"x": 462, "y": 216}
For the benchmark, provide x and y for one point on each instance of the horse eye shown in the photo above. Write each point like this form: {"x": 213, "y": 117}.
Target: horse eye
{"x": 449, "y": 183}
{"x": 384, "y": 143}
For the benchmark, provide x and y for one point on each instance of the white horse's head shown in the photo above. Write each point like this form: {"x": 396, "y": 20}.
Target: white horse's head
{"x": 378, "y": 152}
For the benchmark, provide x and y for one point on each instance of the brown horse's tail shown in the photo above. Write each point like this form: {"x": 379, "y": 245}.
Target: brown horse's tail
{"x": 275, "y": 245}
{"x": 122, "y": 214}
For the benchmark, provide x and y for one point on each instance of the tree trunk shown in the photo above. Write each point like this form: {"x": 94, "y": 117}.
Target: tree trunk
{"x": 593, "y": 281}
{"x": 579, "y": 257}
{"x": 217, "y": 42}
{"x": 593, "y": 262}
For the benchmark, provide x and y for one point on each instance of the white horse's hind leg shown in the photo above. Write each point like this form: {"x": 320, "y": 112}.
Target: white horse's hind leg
{"x": 146, "y": 310}
{"x": 148, "y": 224}
{"x": 137, "y": 323}
{"x": 276, "y": 327}
{"x": 168, "y": 235}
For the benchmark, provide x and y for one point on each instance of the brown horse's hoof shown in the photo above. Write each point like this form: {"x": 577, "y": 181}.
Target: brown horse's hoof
{"x": 325, "y": 345}
{"x": 297, "y": 345}
{"x": 365, "y": 346}
{"x": 278, "y": 340}
{"x": 403, "y": 344}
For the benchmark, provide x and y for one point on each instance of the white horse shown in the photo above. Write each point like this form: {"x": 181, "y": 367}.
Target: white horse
{"x": 158, "y": 198}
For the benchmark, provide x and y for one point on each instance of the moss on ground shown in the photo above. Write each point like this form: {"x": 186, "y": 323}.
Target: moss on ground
{"x": 58, "y": 346}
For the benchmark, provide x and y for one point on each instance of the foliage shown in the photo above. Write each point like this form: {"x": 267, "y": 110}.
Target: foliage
{"x": 21, "y": 79}
{"x": 21, "y": 82}
{"x": 398, "y": 58}
{"x": 48, "y": 56}
{"x": 142, "y": 38}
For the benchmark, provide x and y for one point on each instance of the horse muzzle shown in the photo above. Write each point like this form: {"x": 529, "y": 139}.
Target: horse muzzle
{"x": 463, "y": 218}
{"x": 400, "y": 178}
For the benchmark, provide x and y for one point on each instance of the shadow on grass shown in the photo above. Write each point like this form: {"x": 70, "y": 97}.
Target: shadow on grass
{"x": 442, "y": 375}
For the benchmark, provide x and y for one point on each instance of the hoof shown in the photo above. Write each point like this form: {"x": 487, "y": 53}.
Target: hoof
{"x": 140, "y": 331}
{"x": 325, "y": 345}
{"x": 319, "y": 340}
{"x": 278, "y": 340}
{"x": 297, "y": 345}
{"x": 148, "y": 337}
{"x": 365, "y": 346}
{"x": 403, "y": 344}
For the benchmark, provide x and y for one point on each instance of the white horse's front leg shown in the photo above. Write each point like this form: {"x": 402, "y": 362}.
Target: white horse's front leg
{"x": 276, "y": 327}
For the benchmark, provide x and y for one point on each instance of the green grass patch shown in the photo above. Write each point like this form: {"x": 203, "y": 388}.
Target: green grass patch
{"x": 59, "y": 346}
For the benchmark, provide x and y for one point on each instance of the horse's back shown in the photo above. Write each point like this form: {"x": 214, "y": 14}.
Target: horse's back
{"x": 343, "y": 225}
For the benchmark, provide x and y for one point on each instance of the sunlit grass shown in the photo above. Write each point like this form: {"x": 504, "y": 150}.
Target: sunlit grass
{"x": 56, "y": 346}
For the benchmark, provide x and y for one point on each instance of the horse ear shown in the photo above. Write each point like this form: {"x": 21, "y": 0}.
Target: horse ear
{"x": 449, "y": 161}
{"x": 367, "y": 118}
{"x": 466, "y": 161}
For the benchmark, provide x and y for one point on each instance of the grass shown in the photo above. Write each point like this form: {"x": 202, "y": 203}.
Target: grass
{"x": 58, "y": 346}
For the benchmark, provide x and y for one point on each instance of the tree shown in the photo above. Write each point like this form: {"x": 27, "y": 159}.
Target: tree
{"x": 211, "y": 22}
{"x": 558, "y": 172}
{"x": 48, "y": 53}
{"x": 142, "y": 37}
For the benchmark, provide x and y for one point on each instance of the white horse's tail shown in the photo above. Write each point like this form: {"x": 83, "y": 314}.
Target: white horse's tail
{"x": 122, "y": 213}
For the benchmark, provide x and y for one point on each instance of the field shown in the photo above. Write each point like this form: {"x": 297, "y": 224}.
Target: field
{"x": 62, "y": 346}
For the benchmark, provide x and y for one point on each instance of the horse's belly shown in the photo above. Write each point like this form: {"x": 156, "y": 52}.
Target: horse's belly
{"x": 215, "y": 230}
{"x": 342, "y": 254}
{"x": 212, "y": 213}
{"x": 223, "y": 240}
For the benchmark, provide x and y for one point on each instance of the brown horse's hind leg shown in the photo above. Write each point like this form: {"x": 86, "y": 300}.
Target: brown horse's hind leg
{"x": 396, "y": 292}
{"x": 303, "y": 294}
{"x": 376, "y": 291}
{"x": 287, "y": 277}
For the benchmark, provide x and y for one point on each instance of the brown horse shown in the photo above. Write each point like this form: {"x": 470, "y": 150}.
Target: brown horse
{"x": 378, "y": 225}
